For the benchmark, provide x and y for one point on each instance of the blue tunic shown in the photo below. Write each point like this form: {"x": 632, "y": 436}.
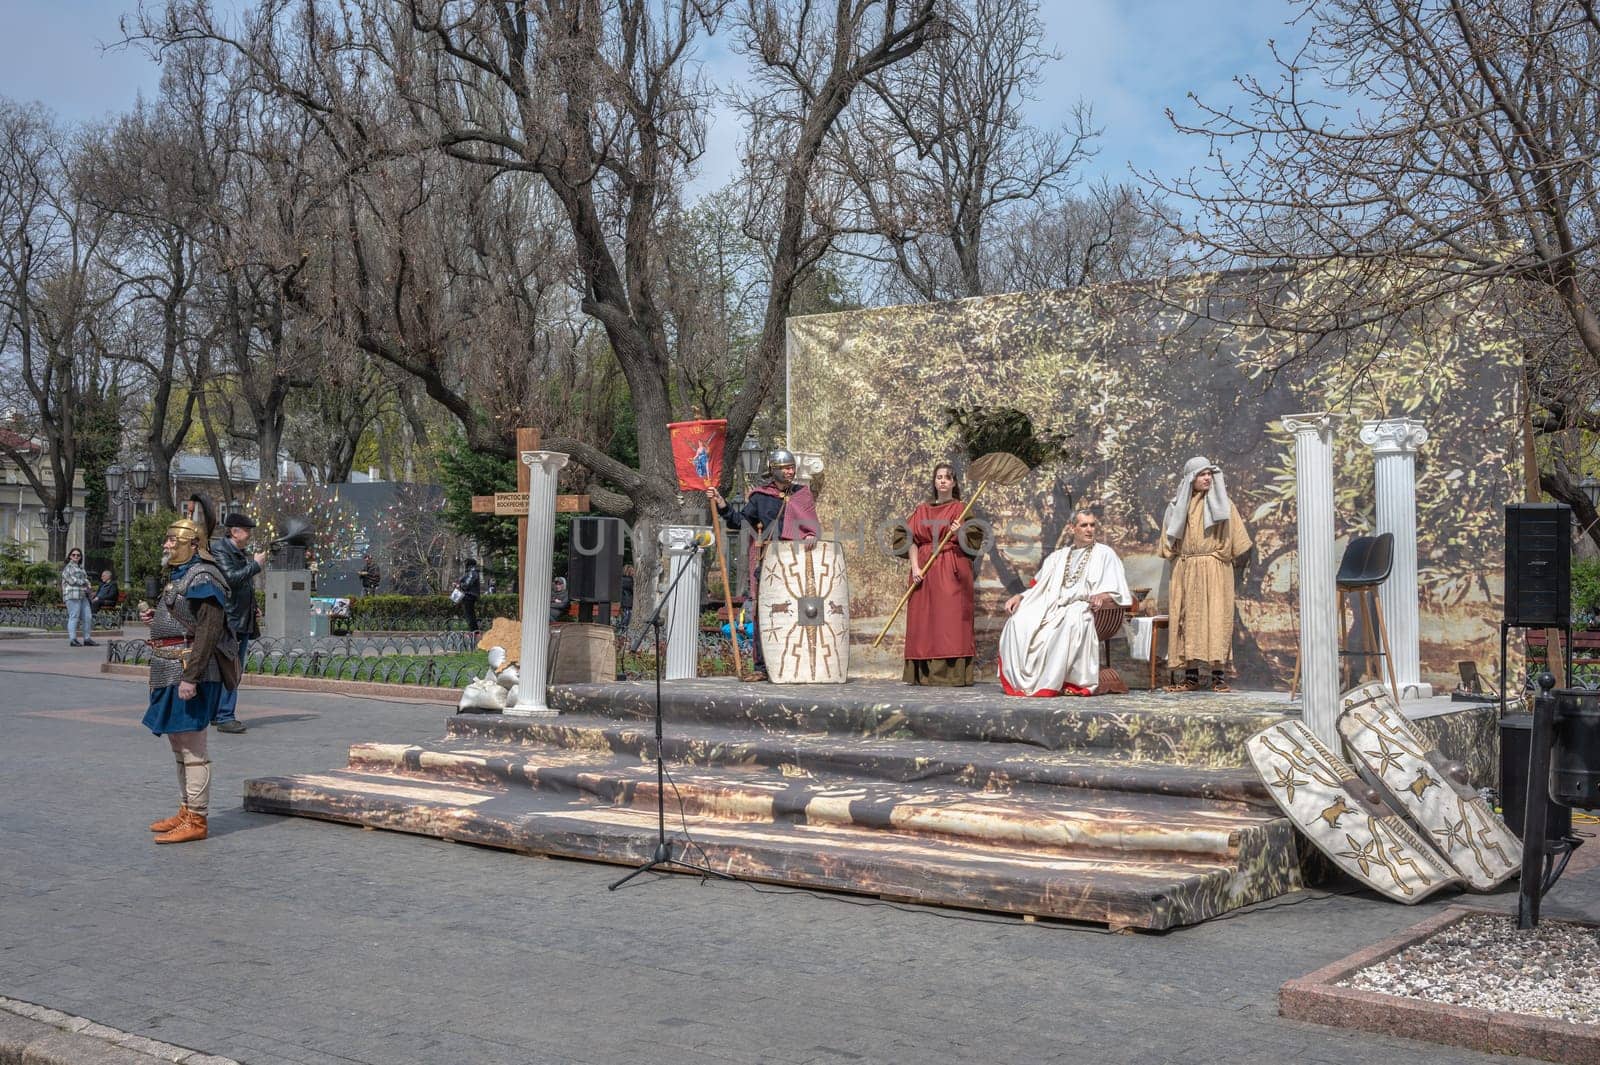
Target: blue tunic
{"x": 168, "y": 713}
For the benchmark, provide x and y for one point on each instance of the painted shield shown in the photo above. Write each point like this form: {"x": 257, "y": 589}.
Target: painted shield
{"x": 1346, "y": 819}
{"x": 1430, "y": 788}
{"x": 804, "y": 601}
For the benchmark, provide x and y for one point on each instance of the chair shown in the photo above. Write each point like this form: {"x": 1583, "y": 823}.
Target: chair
{"x": 1108, "y": 621}
{"x": 1363, "y": 569}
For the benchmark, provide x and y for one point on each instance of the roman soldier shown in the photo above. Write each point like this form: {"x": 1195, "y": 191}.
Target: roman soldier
{"x": 194, "y": 659}
{"x": 778, "y": 509}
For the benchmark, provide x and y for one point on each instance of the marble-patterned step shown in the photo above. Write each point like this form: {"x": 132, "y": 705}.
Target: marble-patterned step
{"x": 1191, "y": 729}
{"x": 1069, "y": 819}
{"x": 943, "y": 870}
{"x": 972, "y": 764}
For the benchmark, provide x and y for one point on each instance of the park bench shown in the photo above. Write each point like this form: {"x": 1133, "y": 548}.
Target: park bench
{"x": 14, "y": 596}
{"x": 1585, "y": 646}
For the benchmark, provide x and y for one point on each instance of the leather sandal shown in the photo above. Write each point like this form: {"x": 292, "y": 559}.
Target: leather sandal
{"x": 1186, "y": 685}
{"x": 1219, "y": 685}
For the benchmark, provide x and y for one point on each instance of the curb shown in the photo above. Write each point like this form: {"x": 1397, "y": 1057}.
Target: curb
{"x": 1314, "y": 998}
{"x": 36, "y": 1035}
{"x": 413, "y": 692}
{"x": 48, "y": 634}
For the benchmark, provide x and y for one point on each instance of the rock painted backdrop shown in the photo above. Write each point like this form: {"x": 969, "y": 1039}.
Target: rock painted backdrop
{"x": 1142, "y": 383}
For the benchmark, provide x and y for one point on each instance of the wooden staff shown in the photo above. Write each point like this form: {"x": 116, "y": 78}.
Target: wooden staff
{"x": 727, "y": 589}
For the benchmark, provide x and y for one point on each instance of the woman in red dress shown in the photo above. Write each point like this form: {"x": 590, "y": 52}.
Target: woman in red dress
{"x": 939, "y": 642}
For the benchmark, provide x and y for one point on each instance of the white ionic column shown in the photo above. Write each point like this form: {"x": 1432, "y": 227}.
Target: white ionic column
{"x": 1319, "y": 602}
{"x": 683, "y": 611}
{"x": 1394, "y": 443}
{"x": 533, "y": 668}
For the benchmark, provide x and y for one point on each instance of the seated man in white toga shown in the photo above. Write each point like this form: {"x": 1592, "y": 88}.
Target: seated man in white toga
{"x": 1049, "y": 646}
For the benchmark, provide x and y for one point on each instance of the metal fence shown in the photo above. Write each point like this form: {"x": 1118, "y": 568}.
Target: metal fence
{"x": 54, "y": 619}
{"x": 380, "y": 660}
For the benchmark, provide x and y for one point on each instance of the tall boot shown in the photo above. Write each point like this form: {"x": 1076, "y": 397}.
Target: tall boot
{"x": 167, "y": 824}
{"x": 197, "y": 791}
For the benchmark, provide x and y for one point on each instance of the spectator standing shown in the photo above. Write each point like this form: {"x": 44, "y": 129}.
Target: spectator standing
{"x": 626, "y": 606}
{"x": 239, "y": 570}
{"x": 75, "y": 594}
{"x": 559, "y": 599}
{"x": 470, "y": 585}
{"x": 370, "y": 575}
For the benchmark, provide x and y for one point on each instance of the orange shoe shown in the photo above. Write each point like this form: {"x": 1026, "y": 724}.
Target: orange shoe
{"x": 167, "y": 824}
{"x": 192, "y": 827}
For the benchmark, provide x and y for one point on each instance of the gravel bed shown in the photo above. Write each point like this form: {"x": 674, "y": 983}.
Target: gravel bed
{"x": 1483, "y": 961}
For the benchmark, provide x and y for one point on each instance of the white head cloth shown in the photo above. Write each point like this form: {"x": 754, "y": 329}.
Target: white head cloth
{"x": 1217, "y": 505}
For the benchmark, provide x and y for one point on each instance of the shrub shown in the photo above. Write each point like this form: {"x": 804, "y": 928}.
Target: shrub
{"x": 378, "y": 612}
{"x": 1586, "y": 592}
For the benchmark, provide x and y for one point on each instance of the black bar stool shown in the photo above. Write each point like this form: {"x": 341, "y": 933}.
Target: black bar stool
{"x": 1363, "y": 569}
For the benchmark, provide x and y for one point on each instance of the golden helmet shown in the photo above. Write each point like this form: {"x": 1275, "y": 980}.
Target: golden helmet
{"x": 191, "y": 535}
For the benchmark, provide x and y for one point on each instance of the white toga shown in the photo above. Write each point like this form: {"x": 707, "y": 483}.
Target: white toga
{"x": 1050, "y": 640}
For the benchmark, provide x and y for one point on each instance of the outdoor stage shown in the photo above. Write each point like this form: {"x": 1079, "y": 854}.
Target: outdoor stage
{"x": 1131, "y": 810}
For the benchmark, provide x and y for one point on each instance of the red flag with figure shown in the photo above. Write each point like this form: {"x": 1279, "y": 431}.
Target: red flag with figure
{"x": 697, "y": 452}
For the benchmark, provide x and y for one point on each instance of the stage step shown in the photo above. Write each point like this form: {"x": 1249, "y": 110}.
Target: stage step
{"x": 1195, "y": 729}
{"x": 974, "y": 765}
{"x": 1109, "y": 824}
{"x": 842, "y": 855}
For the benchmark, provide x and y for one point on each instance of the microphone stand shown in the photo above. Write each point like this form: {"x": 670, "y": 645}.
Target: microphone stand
{"x": 662, "y": 856}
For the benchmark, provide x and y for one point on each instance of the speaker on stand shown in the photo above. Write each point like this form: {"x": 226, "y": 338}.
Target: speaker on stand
{"x": 594, "y": 565}
{"x": 1538, "y": 577}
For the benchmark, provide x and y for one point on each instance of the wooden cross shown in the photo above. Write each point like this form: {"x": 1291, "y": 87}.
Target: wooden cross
{"x": 508, "y": 504}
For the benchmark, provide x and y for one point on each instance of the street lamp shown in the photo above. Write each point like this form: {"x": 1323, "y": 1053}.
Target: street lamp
{"x": 1590, "y": 487}
{"x": 125, "y": 492}
{"x": 53, "y": 523}
{"x": 750, "y": 460}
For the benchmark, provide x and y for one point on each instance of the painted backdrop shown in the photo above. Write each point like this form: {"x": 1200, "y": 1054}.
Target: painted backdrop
{"x": 1142, "y": 382}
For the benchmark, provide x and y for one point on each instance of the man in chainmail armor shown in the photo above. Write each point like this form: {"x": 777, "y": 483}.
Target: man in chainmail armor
{"x": 194, "y": 660}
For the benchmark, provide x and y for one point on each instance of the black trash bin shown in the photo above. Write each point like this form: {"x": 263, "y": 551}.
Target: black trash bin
{"x": 1516, "y": 734}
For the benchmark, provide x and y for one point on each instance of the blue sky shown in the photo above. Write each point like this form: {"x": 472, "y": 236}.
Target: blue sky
{"x": 1130, "y": 60}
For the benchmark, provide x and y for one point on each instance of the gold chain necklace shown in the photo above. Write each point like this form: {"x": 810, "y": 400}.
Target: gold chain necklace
{"x": 1075, "y": 575}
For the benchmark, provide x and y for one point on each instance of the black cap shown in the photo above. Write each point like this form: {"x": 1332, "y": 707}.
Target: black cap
{"x": 237, "y": 521}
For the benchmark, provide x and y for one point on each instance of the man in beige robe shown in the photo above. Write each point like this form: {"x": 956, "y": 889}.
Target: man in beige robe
{"x": 1205, "y": 536}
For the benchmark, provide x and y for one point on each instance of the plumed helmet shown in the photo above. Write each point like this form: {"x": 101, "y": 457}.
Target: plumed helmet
{"x": 191, "y": 535}
{"x": 780, "y": 456}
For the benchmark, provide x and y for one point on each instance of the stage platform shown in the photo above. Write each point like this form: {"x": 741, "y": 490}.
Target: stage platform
{"x": 1130, "y": 810}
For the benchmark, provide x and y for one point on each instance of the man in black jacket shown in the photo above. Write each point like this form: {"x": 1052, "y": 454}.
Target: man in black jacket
{"x": 239, "y": 569}
{"x": 470, "y": 585}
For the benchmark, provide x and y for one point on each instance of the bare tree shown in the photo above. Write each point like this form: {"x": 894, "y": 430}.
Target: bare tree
{"x": 58, "y": 378}
{"x": 601, "y": 106}
{"x": 1418, "y": 150}
{"x": 946, "y": 158}
{"x": 143, "y": 174}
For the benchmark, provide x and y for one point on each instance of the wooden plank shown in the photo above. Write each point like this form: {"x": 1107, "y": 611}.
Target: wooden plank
{"x": 572, "y": 504}
{"x": 483, "y": 504}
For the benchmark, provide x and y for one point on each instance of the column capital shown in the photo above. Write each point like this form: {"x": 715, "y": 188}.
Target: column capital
{"x": 1323, "y": 423}
{"x": 550, "y": 460}
{"x": 1393, "y": 436}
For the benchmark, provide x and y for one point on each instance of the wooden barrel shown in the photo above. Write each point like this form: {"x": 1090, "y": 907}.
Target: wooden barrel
{"x": 804, "y": 603}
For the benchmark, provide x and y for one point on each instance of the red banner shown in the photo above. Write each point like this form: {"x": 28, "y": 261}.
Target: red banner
{"x": 697, "y": 452}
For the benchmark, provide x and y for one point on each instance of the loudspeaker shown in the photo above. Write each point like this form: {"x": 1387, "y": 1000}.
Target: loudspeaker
{"x": 1538, "y": 565}
{"x": 594, "y": 560}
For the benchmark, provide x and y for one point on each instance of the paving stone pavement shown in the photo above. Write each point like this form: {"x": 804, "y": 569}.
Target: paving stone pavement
{"x": 284, "y": 940}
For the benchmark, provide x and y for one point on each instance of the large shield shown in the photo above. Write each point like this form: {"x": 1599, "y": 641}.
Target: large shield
{"x": 804, "y": 601}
